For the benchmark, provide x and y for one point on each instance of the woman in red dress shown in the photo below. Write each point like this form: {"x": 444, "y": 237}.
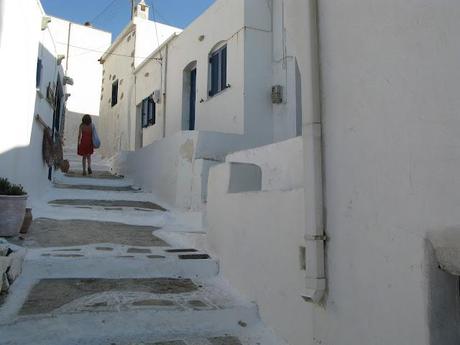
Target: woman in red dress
{"x": 85, "y": 143}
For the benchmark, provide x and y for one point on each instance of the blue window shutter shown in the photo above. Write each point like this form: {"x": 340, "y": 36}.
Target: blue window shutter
{"x": 39, "y": 73}
{"x": 223, "y": 69}
{"x": 151, "y": 111}
{"x": 214, "y": 74}
{"x": 154, "y": 112}
{"x": 144, "y": 113}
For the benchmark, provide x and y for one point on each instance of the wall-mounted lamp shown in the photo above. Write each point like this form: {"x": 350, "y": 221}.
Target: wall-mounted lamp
{"x": 59, "y": 59}
{"x": 67, "y": 95}
{"x": 45, "y": 22}
{"x": 68, "y": 80}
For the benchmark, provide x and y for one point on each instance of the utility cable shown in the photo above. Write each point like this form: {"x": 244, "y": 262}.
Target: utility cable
{"x": 103, "y": 11}
{"x": 115, "y": 54}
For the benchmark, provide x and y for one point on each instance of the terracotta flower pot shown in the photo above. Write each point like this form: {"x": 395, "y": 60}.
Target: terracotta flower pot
{"x": 12, "y": 211}
{"x": 28, "y": 218}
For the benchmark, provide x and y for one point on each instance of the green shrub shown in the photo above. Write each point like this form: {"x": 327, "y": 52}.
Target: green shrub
{"x": 7, "y": 188}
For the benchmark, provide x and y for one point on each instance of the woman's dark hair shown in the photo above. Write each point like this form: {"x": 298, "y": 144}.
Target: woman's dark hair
{"x": 86, "y": 120}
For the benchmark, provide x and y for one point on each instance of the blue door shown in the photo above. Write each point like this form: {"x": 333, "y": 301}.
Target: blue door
{"x": 192, "y": 100}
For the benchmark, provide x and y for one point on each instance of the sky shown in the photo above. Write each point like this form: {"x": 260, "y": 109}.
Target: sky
{"x": 114, "y": 15}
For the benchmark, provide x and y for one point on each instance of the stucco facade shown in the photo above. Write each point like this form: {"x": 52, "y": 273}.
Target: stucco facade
{"x": 119, "y": 126}
{"x": 256, "y": 60}
{"x": 386, "y": 102}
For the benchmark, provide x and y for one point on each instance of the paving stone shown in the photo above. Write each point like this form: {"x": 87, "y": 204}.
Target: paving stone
{"x": 98, "y": 305}
{"x": 194, "y": 257}
{"x": 155, "y": 257}
{"x": 104, "y": 249}
{"x": 61, "y": 233}
{"x": 197, "y": 304}
{"x": 50, "y": 294}
{"x": 225, "y": 341}
{"x": 138, "y": 205}
{"x": 67, "y": 250}
{"x": 68, "y": 255}
{"x": 138, "y": 251}
{"x": 154, "y": 302}
{"x": 181, "y": 250}
{"x": 176, "y": 342}
{"x": 96, "y": 175}
{"x": 99, "y": 188}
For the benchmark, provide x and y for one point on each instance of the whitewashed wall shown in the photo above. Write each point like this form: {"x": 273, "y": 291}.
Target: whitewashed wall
{"x": 390, "y": 85}
{"x": 120, "y": 126}
{"x": 260, "y": 253}
{"x": 391, "y": 140}
{"x": 22, "y": 42}
{"x": 149, "y": 79}
{"x": 115, "y": 124}
{"x": 281, "y": 163}
{"x": 245, "y": 107}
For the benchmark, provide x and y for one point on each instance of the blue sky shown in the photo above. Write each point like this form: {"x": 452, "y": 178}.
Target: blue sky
{"x": 113, "y": 15}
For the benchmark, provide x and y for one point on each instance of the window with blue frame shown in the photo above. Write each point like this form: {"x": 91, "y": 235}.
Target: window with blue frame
{"x": 38, "y": 77}
{"x": 148, "y": 112}
{"x": 218, "y": 71}
{"x": 115, "y": 93}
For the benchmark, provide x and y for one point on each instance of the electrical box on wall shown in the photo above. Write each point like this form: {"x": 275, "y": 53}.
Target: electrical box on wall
{"x": 277, "y": 94}
{"x": 156, "y": 96}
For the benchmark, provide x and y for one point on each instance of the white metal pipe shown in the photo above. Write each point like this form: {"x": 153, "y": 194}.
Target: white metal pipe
{"x": 313, "y": 172}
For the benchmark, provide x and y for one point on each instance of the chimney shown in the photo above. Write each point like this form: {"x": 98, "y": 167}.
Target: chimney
{"x": 142, "y": 10}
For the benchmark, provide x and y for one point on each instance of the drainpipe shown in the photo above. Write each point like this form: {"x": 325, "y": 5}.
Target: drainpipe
{"x": 165, "y": 85}
{"x": 68, "y": 50}
{"x": 314, "y": 173}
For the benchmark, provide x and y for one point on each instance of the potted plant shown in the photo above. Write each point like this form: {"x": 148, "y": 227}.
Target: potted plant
{"x": 13, "y": 200}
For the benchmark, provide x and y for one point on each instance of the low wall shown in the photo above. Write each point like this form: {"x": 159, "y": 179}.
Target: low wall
{"x": 176, "y": 168}
{"x": 281, "y": 163}
{"x": 259, "y": 253}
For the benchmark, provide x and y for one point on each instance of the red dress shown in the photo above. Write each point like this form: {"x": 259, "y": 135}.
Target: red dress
{"x": 86, "y": 145}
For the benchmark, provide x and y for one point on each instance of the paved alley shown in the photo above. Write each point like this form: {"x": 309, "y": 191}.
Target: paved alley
{"x": 101, "y": 269}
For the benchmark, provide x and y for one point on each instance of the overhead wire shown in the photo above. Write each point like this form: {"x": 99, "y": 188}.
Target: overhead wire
{"x": 104, "y": 10}
{"x": 104, "y": 52}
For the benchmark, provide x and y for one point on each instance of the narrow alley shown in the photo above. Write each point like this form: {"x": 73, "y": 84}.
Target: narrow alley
{"x": 88, "y": 280}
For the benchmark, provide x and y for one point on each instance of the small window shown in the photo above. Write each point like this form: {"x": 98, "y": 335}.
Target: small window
{"x": 148, "y": 112}
{"x": 218, "y": 71}
{"x": 114, "y": 93}
{"x": 39, "y": 73}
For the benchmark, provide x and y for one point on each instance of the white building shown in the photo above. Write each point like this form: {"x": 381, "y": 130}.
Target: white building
{"x": 81, "y": 46}
{"x": 208, "y": 92}
{"x": 51, "y": 53}
{"x": 137, "y": 41}
{"x": 37, "y": 87}
{"x": 328, "y": 232}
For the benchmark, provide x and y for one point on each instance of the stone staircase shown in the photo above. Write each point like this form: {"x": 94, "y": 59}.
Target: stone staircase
{"x": 97, "y": 272}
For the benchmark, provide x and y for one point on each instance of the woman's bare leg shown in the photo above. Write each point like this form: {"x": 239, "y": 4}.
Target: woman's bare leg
{"x": 89, "y": 164}
{"x": 83, "y": 161}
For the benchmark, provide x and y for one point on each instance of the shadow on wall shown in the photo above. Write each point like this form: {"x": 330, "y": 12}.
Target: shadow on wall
{"x": 25, "y": 166}
{"x": 71, "y": 127}
{"x": 443, "y": 302}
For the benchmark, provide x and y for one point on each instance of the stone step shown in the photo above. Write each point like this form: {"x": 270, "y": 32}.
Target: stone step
{"x": 102, "y": 174}
{"x": 95, "y": 180}
{"x": 106, "y": 260}
{"x": 238, "y": 325}
{"x": 96, "y": 187}
{"x": 109, "y": 205}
